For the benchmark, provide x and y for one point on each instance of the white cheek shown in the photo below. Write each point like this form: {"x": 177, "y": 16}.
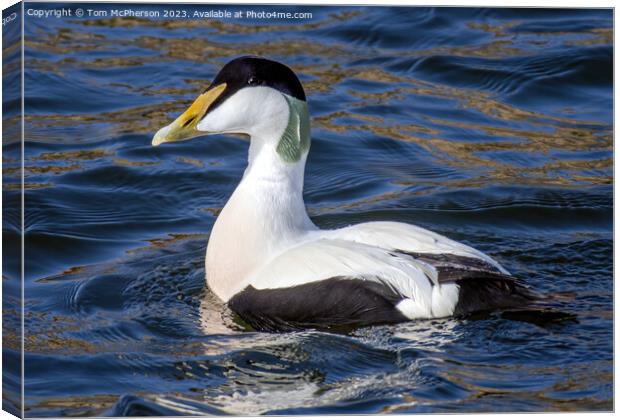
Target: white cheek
{"x": 247, "y": 111}
{"x": 226, "y": 117}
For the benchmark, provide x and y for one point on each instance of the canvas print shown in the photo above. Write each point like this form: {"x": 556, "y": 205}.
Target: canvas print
{"x": 305, "y": 210}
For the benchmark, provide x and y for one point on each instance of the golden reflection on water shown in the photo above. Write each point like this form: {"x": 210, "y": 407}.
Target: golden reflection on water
{"x": 77, "y": 406}
{"x": 545, "y": 133}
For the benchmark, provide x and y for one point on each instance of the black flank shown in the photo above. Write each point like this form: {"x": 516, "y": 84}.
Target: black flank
{"x": 338, "y": 303}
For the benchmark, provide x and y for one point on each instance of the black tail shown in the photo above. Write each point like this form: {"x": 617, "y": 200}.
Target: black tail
{"x": 515, "y": 300}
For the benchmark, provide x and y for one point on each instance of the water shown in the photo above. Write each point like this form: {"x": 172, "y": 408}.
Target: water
{"x": 491, "y": 126}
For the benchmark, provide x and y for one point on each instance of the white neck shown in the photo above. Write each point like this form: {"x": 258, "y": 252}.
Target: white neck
{"x": 263, "y": 217}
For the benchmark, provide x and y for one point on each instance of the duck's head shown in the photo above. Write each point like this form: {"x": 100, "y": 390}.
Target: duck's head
{"x": 250, "y": 95}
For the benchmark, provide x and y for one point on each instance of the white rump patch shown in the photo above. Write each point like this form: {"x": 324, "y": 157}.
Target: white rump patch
{"x": 443, "y": 301}
{"x": 412, "y": 310}
{"x": 445, "y": 298}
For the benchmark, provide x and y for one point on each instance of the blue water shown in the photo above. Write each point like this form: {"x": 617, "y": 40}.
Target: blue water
{"x": 491, "y": 126}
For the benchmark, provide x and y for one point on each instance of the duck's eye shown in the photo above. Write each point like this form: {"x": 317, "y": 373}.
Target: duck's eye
{"x": 254, "y": 81}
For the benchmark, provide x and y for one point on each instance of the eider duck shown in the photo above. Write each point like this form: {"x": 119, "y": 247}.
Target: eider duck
{"x": 276, "y": 269}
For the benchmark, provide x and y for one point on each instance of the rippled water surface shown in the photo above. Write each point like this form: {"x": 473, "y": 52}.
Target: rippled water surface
{"x": 491, "y": 126}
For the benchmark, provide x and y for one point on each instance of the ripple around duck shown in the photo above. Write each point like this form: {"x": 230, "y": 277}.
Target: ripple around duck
{"x": 337, "y": 372}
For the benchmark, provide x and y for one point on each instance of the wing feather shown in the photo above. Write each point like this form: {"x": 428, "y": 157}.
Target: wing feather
{"x": 410, "y": 239}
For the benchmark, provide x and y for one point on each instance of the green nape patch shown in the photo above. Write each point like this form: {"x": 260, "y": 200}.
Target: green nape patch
{"x": 296, "y": 137}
